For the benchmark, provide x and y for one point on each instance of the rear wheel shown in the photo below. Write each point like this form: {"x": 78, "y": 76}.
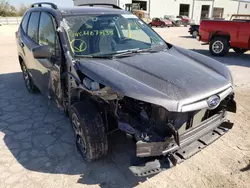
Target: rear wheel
{"x": 91, "y": 137}
{"x": 219, "y": 46}
{"x": 27, "y": 80}
{"x": 240, "y": 50}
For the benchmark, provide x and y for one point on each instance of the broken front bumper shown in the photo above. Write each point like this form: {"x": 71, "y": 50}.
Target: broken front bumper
{"x": 169, "y": 153}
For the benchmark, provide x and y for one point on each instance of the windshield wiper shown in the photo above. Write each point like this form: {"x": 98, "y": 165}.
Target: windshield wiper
{"x": 122, "y": 53}
{"x": 133, "y": 51}
{"x": 95, "y": 56}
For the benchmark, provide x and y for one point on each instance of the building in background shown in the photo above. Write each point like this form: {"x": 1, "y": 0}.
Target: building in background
{"x": 194, "y": 9}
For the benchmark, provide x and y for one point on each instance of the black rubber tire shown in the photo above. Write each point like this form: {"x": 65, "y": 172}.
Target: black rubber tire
{"x": 225, "y": 48}
{"x": 93, "y": 131}
{"x": 150, "y": 25}
{"x": 162, "y": 25}
{"x": 240, "y": 50}
{"x": 27, "y": 80}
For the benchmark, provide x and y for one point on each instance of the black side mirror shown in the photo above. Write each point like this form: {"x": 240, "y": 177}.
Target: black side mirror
{"x": 42, "y": 52}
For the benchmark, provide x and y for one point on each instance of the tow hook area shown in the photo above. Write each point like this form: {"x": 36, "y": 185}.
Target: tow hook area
{"x": 145, "y": 166}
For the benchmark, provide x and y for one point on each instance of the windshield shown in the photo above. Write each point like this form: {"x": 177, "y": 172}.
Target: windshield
{"x": 110, "y": 34}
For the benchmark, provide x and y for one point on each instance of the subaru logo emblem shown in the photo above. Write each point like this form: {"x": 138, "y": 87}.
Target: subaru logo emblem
{"x": 213, "y": 101}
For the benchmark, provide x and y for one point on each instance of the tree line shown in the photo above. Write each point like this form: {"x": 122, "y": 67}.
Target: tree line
{"x": 6, "y": 9}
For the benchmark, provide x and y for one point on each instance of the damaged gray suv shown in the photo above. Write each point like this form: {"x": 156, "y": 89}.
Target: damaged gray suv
{"x": 109, "y": 71}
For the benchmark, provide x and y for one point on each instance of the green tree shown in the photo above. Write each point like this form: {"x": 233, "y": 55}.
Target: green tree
{"x": 6, "y": 9}
{"x": 22, "y": 9}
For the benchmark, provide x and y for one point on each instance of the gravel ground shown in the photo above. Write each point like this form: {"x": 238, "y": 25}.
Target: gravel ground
{"x": 37, "y": 142}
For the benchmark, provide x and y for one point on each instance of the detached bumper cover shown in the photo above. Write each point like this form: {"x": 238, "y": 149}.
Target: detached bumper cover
{"x": 169, "y": 153}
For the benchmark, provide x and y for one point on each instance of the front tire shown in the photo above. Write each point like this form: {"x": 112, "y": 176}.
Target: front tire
{"x": 91, "y": 137}
{"x": 219, "y": 46}
{"x": 239, "y": 50}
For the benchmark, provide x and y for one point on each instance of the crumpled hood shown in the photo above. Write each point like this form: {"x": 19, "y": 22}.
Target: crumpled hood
{"x": 165, "y": 78}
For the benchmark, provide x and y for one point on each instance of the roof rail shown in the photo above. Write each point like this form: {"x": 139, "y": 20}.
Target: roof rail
{"x": 54, "y": 6}
{"x": 100, "y": 4}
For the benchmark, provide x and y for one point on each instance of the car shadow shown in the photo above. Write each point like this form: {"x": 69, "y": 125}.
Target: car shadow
{"x": 41, "y": 139}
{"x": 187, "y": 37}
{"x": 230, "y": 59}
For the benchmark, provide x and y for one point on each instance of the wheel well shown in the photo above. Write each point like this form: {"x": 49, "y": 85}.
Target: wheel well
{"x": 78, "y": 95}
{"x": 220, "y": 34}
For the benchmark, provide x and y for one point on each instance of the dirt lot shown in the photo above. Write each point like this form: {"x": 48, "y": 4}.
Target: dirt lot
{"x": 37, "y": 143}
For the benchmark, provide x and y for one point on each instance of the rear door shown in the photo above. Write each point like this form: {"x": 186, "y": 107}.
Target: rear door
{"x": 30, "y": 40}
{"x": 21, "y": 34}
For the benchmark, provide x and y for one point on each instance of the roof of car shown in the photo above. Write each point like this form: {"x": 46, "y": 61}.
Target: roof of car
{"x": 91, "y": 10}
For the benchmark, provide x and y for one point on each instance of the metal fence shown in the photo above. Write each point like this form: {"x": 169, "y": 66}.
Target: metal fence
{"x": 10, "y": 20}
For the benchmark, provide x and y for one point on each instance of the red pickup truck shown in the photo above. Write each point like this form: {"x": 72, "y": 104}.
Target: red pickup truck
{"x": 223, "y": 35}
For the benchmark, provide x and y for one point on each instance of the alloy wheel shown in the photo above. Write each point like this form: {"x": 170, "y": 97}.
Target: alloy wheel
{"x": 217, "y": 47}
{"x": 80, "y": 140}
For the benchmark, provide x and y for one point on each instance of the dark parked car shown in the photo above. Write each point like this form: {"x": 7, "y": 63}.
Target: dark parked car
{"x": 194, "y": 30}
{"x": 160, "y": 22}
{"x": 108, "y": 78}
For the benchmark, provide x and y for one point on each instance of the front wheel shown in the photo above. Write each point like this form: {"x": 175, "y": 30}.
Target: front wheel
{"x": 219, "y": 46}
{"x": 239, "y": 50}
{"x": 150, "y": 25}
{"x": 91, "y": 137}
{"x": 162, "y": 25}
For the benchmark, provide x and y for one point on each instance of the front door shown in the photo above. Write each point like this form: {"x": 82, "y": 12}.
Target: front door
{"x": 49, "y": 69}
{"x": 45, "y": 73}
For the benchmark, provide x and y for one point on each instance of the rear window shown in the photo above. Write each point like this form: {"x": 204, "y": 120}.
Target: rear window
{"x": 33, "y": 26}
{"x": 25, "y": 22}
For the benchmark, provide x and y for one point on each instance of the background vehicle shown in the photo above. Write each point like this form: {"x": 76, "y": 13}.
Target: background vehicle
{"x": 107, "y": 78}
{"x": 176, "y": 21}
{"x": 160, "y": 22}
{"x": 194, "y": 30}
{"x": 144, "y": 15}
{"x": 223, "y": 35}
{"x": 239, "y": 17}
{"x": 185, "y": 20}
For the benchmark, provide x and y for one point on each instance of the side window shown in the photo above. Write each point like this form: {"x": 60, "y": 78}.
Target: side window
{"x": 33, "y": 26}
{"x": 47, "y": 33}
{"x": 25, "y": 22}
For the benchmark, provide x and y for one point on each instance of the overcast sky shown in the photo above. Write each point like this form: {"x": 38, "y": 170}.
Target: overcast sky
{"x": 58, "y": 2}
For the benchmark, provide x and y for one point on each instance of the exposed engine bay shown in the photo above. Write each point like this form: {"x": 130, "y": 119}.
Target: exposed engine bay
{"x": 159, "y": 132}
{"x": 151, "y": 123}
